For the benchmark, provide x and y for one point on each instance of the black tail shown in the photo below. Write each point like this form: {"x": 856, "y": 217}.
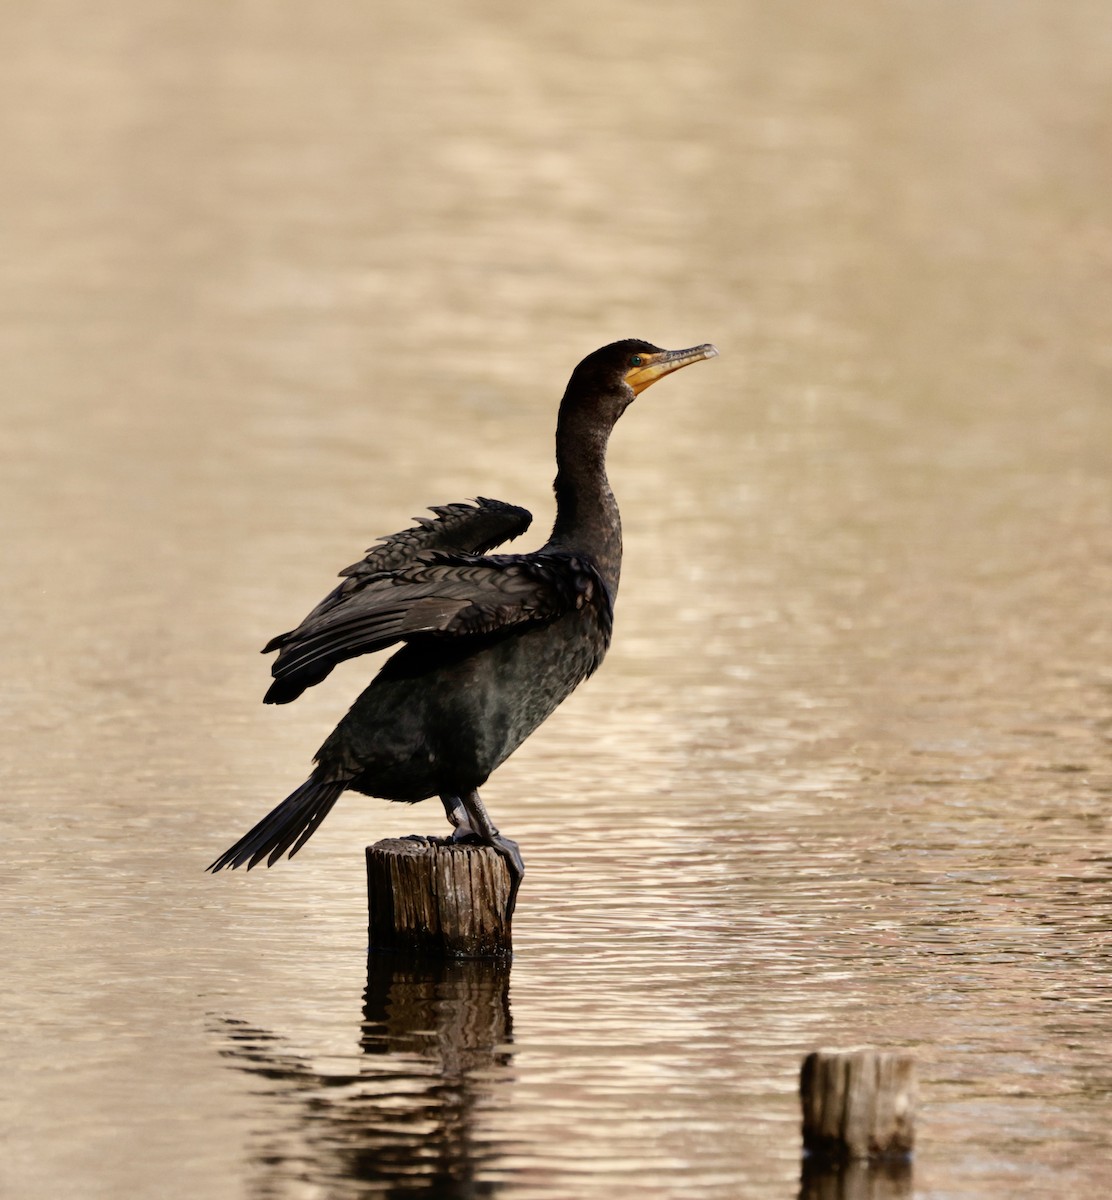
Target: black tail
{"x": 292, "y": 823}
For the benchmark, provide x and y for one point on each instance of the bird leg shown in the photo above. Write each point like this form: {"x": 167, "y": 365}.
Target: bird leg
{"x": 483, "y": 827}
{"x": 457, "y": 818}
{"x": 470, "y": 821}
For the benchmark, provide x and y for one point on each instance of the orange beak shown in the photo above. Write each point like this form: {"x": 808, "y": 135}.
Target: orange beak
{"x": 656, "y": 366}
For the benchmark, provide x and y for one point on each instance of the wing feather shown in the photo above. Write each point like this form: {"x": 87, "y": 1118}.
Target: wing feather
{"x": 449, "y": 595}
{"x": 455, "y": 529}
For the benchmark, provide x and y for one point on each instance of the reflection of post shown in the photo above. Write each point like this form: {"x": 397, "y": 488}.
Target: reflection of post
{"x": 455, "y": 1012}
{"x": 408, "y": 1119}
{"x": 438, "y": 898}
{"x": 858, "y": 1180}
{"x": 858, "y": 1125}
{"x": 453, "y": 1009}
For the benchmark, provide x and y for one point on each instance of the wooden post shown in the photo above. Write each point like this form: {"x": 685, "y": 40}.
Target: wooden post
{"x": 432, "y": 897}
{"x": 858, "y": 1104}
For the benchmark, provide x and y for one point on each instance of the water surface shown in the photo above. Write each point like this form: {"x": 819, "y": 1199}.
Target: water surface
{"x": 276, "y": 279}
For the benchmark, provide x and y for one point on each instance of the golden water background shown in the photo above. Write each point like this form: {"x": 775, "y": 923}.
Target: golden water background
{"x": 276, "y": 277}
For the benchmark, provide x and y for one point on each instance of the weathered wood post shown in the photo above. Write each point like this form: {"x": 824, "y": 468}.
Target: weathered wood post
{"x": 858, "y": 1124}
{"x": 432, "y": 897}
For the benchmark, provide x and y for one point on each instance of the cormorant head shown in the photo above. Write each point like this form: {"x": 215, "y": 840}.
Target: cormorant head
{"x": 613, "y": 376}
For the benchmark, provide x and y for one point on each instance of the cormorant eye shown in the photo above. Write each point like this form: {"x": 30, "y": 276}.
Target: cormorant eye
{"x": 635, "y": 360}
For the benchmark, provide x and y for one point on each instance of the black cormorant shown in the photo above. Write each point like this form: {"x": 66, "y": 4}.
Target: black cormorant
{"x": 493, "y": 643}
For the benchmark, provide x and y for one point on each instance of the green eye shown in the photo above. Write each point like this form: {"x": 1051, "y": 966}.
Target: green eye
{"x": 635, "y": 361}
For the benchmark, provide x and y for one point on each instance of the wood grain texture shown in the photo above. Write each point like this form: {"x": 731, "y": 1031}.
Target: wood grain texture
{"x": 428, "y": 897}
{"x": 858, "y": 1104}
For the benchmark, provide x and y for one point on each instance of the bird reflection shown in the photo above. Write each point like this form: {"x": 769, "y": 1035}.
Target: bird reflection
{"x": 433, "y": 1037}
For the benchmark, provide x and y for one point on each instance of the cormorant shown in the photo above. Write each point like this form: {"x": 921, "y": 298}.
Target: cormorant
{"x": 493, "y": 643}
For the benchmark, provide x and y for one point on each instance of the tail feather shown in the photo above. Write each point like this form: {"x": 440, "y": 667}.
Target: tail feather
{"x": 292, "y": 823}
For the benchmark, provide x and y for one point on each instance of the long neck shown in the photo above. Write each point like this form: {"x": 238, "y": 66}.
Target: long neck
{"x": 587, "y": 518}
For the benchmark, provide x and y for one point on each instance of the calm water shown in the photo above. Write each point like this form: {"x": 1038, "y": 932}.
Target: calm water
{"x": 276, "y": 278}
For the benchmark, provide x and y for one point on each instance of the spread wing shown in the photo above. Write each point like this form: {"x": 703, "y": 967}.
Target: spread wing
{"x": 456, "y": 529}
{"x": 441, "y": 595}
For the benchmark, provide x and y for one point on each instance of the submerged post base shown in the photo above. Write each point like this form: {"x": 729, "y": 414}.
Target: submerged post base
{"x": 432, "y": 897}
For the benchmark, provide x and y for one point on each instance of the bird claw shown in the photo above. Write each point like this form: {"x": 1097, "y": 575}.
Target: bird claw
{"x": 505, "y": 846}
{"x": 512, "y": 854}
{"x": 472, "y": 824}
